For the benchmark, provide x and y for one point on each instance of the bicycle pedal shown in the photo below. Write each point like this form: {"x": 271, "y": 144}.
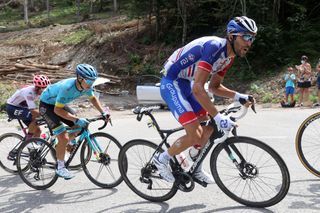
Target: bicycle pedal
{"x": 202, "y": 183}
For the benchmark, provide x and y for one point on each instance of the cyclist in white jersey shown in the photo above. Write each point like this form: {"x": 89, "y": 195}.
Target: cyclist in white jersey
{"x": 190, "y": 103}
{"x": 21, "y": 105}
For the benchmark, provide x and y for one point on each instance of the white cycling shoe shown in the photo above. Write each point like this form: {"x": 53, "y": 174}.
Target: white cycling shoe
{"x": 64, "y": 173}
{"x": 163, "y": 169}
{"x": 203, "y": 176}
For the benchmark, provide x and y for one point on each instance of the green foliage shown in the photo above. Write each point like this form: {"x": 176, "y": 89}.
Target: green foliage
{"x": 267, "y": 98}
{"x": 6, "y": 90}
{"x": 77, "y": 37}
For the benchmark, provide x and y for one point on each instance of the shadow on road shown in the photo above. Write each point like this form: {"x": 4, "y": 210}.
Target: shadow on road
{"x": 26, "y": 201}
{"x": 309, "y": 193}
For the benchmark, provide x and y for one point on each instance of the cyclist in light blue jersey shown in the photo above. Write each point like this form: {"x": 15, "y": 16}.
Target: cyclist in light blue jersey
{"x": 189, "y": 103}
{"x": 54, "y": 110}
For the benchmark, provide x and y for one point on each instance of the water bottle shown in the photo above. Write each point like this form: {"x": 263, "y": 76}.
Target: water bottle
{"x": 183, "y": 161}
{"x": 45, "y": 136}
{"x": 194, "y": 153}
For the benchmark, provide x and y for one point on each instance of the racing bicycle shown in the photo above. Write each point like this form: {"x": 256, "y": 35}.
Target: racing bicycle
{"x": 10, "y": 142}
{"x": 246, "y": 169}
{"x": 36, "y": 159}
{"x": 307, "y": 143}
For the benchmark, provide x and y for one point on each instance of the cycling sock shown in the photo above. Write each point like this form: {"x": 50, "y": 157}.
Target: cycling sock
{"x": 164, "y": 157}
{"x": 60, "y": 164}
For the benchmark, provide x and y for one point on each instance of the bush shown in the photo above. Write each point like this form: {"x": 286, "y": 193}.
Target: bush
{"x": 6, "y": 90}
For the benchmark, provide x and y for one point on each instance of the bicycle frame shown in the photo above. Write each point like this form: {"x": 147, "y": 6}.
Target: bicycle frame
{"x": 215, "y": 138}
{"x": 85, "y": 135}
{"x": 164, "y": 134}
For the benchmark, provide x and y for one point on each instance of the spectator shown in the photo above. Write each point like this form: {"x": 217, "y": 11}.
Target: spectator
{"x": 304, "y": 80}
{"x": 290, "y": 78}
{"x": 318, "y": 83}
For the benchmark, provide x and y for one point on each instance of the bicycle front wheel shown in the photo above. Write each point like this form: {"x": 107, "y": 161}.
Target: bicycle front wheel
{"x": 39, "y": 159}
{"x": 308, "y": 144}
{"x": 101, "y": 167}
{"x": 250, "y": 172}
{"x": 9, "y": 144}
{"x": 141, "y": 175}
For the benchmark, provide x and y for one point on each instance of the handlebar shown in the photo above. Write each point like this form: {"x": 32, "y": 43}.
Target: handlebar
{"x": 101, "y": 118}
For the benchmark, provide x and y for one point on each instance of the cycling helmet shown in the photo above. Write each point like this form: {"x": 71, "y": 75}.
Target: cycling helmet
{"x": 304, "y": 58}
{"x": 41, "y": 81}
{"x": 87, "y": 71}
{"x": 242, "y": 24}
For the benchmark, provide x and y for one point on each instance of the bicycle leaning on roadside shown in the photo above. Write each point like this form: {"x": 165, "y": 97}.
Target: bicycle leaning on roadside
{"x": 36, "y": 159}
{"x": 247, "y": 170}
{"x": 307, "y": 143}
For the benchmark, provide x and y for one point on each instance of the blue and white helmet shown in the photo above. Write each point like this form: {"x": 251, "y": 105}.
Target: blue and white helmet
{"x": 87, "y": 71}
{"x": 242, "y": 24}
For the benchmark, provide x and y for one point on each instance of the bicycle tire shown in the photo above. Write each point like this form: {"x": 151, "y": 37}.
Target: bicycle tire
{"x": 306, "y": 146}
{"x": 9, "y": 145}
{"x": 131, "y": 153}
{"x": 256, "y": 169}
{"x": 40, "y": 158}
{"x": 102, "y": 169}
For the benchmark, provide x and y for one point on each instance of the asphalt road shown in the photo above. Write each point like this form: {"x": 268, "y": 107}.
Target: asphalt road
{"x": 277, "y": 127}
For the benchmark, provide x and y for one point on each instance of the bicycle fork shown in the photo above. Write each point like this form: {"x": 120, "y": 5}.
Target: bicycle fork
{"x": 247, "y": 170}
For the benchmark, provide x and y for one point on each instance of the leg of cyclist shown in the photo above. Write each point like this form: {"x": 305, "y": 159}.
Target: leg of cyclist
{"x": 55, "y": 124}
{"x": 33, "y": 128}
{"x": 180, "y": 101}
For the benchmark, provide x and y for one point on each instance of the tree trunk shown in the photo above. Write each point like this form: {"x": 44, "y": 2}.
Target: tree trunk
{"x": 157, "y": 11}
{"x": 182, "y": 7}
{"x": 78, "y": 8}
{"x": 48, "y": 8}
{"x": 115, "y": 6}
{"x": 26, "y": 15}
{"x": 243, "y": 7}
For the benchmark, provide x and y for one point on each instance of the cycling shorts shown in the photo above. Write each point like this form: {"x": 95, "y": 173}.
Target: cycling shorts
{"x": 180, "y": 100}
{"x": 20, "y": 113}
{"x": 54, "y": 121}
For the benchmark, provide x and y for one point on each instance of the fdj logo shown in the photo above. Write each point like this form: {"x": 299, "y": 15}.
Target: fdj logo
{"x": 224, "y": 123}
{"x": 18, "y": 112}
{"x": 184, "y": 61}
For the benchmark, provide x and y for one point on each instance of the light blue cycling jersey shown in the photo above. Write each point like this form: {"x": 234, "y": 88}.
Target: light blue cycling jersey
{"x": 63, "y": 92}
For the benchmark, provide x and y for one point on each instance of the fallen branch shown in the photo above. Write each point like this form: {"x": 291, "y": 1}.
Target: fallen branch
{"x": 22, "y": 56}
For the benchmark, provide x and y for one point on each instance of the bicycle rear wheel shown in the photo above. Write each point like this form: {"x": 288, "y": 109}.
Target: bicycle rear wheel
{"x": 9, "y": 144}
{"x": 260, "y": 179}
{"x": 308, "y": 144}
{"x": 39, "y": 157}
{"x": 141, "y": 175}
{"x": 102, "y": 168}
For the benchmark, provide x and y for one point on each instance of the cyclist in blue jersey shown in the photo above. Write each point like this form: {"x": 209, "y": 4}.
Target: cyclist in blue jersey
{"x": 189, "y": 103}
{"x": 54, "y": 110}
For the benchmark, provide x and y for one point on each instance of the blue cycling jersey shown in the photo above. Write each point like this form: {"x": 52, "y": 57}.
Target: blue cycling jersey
{"x": 208, "y": 53}
{"x": 63, "y": 92}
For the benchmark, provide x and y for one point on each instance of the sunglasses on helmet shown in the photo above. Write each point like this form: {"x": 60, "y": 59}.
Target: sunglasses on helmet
{"x": 246, "y": 37}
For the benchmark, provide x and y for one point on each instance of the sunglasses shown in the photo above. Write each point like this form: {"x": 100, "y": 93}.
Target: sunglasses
{"x": 247, "y": 37}
{"x": 89, "y": 82}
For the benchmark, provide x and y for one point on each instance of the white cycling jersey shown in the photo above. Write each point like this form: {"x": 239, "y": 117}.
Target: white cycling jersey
{"x": 24, "y": 97}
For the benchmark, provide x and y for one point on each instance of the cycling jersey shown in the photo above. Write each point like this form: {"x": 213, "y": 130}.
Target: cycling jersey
{"x": 208, "y": 53}
{"x": 63, "y": 92}
{"x": 24, "y": 97}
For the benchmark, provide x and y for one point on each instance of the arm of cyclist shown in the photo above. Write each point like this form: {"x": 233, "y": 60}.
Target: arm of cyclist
{"x": 96, "y": 103}
{"x": 223, "y": 122}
